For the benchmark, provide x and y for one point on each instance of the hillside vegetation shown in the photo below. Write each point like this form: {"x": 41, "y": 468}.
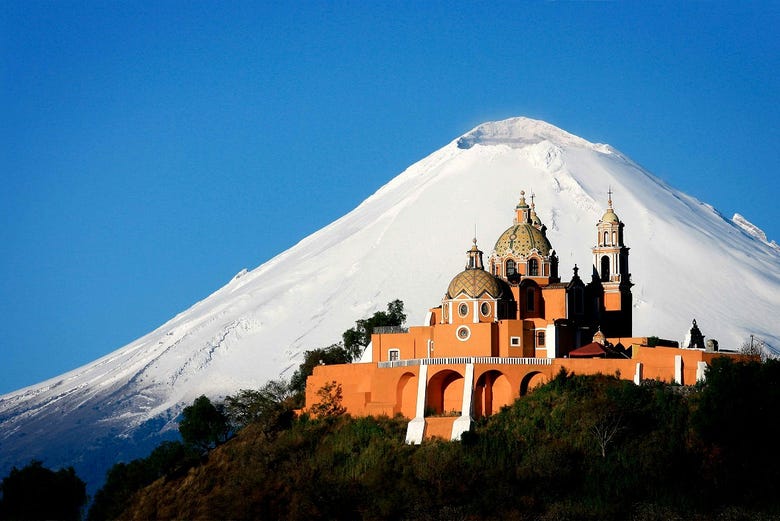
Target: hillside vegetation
{"x": 580, "y": 447}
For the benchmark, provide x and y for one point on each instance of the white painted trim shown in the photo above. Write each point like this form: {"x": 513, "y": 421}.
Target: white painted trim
{"x": 551, "y": 341}
{"x": 701, "y": 368}
{"x": 463, "y": 424}
{"x": 415, "y": 430}
{"x": 678, "y": 369}
{"x": 638, "y": 373}
{"x": 464, "y": 339}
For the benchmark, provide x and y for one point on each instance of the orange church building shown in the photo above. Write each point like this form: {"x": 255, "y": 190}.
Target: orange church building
{"x": 505, "y": 327}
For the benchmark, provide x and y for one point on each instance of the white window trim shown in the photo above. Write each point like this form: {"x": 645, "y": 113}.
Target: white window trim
{"x": 463, "y": 339}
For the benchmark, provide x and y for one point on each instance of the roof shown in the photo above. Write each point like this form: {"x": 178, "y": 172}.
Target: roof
{"x": 610, "y": 216}
{"x": 592, "y": 350}
{"x": 519, "y": 239}
{"x": 474, "y": 283}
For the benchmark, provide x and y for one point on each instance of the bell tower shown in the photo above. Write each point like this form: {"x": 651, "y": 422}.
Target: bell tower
{"x": 610, "y": 266}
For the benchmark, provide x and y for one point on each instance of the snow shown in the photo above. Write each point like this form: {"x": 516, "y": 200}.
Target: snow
{"x": 407, "y": 241}
{"x": 753, "y": 230}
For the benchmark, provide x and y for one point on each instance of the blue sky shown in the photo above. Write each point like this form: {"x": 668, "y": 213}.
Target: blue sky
{"x": 151, "y": 150}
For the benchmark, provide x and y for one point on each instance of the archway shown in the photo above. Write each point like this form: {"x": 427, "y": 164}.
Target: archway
{"x": 445, "y": 393}
{"x": 406, "y": 395}
{"x": 492, "y": 392}
{"x": 531, "y": 381}
{"x": 604, "y": 268}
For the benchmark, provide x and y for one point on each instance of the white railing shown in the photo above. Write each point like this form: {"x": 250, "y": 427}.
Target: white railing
{"x": 465, "y": 360}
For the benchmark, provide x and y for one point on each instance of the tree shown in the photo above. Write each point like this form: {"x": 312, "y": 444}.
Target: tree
{"x": 329, "y": 401}
{"x": 357, "y": 338}
{"x": 354, "y": 343}
{"x": 604, "y": 427}
{"x": 333, "y": 354}
{"x": 36, "y": 492}
{"x": 203, "y": 425}
{"x": 123, "y": 480}
{"x": 271, "y": 406}
{"x": 754, "y": 347}
{"x": 733, "y": 418}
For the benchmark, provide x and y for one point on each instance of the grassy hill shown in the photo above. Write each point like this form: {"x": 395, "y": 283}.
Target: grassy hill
{"x": 580, "y": 447}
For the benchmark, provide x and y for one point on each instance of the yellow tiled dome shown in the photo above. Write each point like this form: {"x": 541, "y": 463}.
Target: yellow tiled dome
{"x": 610, "y": 216}
{"x": 520, "y": 239}
{"x": 474, "y": 283}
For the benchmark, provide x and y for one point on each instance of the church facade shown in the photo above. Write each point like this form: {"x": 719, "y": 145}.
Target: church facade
{"x": 505, "y": 326}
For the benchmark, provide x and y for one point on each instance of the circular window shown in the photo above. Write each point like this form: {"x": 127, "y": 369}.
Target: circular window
{"x": 463, "y": 309}
{"x": 485, "y": 309}
{"x": 463, "y": 333}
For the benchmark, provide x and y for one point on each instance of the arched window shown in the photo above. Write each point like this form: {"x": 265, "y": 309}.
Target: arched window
{"x": 606, "y": 238}
{"x": 533, "y": 268}
{"x": 530, "y": 296}
{"x": 605, "y": 268}
{"x": 510, "y": 268}
{"x": 614, "y": 238}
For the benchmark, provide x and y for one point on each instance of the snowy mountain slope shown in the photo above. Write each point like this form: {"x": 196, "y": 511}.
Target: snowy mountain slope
{"x": 406, "y": 241}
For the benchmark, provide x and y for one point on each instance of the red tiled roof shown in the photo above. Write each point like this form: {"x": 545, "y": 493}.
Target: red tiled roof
{"x": 591, "y": 350}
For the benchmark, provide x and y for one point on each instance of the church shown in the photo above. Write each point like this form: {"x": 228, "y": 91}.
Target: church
{"x": 506, "y": 326}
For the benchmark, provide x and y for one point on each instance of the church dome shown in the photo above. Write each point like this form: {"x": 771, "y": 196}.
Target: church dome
{"x": 610, "y": 216}
{"x": 519, "y": 239}
{"x": 474, "y": 282}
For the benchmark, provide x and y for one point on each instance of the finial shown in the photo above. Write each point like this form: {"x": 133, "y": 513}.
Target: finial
{"x": 576, "y": 270}
{"x": 610, "y": 196}
{"x": 532, "y": 198}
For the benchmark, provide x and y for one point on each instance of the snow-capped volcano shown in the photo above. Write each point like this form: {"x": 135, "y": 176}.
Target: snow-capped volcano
{"x": 406, "y": 241}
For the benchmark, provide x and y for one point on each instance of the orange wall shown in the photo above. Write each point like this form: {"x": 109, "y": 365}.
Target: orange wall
{"x": 369, "y": 390}
{"x": 554, "y": 303}
{"x": 612, "y": 301}
{"x": 508, "y": 329}
{"x": 658, "y": 362}
{"x": 480, "y": 342}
